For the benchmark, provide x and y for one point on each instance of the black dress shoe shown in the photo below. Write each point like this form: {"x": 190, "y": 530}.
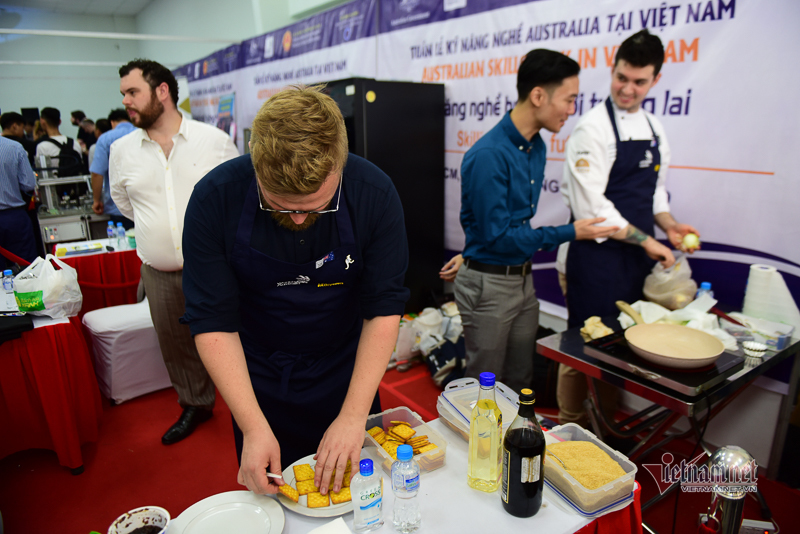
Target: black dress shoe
{"x": 191, "y": 417}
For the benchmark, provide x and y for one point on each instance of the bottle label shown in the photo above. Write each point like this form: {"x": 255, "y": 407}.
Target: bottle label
{"x": 412, "y": 483}
{"x": 530, "y": 469}
{"x": 504, "y": 483}
{"x": 369, "y": 497}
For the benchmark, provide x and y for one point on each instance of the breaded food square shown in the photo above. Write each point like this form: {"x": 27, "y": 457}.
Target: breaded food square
{"x": 428, "y": 447}
{"x": 303, "y": 472}
{"x": 404, "y": 431}
{"x": 374, "y": 431}
{"x": 345, "y": 477}
{"x": 342, "y": 496}
{"x": 290, "y": 492}
{"x": 317, "y": 500}
{"x": 304, "y": 487}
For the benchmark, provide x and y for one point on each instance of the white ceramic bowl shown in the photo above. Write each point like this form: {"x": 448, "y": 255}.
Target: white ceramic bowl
{"x": 140, "y": 517}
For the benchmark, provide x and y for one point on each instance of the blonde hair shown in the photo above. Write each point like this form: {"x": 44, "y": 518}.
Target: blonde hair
{"x": 298, "y": 139}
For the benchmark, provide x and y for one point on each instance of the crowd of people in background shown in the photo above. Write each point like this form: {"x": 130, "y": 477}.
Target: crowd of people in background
{"x": 68, "y": 157}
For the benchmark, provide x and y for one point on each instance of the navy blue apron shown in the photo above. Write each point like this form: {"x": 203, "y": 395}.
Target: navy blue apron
{"x": 300, "y": 330}
{"x": 599, "y": 274}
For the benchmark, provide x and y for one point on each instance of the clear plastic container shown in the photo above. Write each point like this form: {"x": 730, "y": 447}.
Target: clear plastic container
{"x": 456, "y": 402}
{"x": 588, "y": 501}
{"x": 428, "y": 461}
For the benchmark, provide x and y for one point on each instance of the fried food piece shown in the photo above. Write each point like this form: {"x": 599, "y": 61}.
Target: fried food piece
{"x": 342, "y": 496}
{"x": 304, "y": 487}
{"x": 318, "y": 500}
{"x": 290, "y": 492}
{"x": 303, "y": 472}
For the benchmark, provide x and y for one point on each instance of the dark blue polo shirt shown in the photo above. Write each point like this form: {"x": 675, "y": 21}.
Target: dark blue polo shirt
{"x": 212, "y": 219}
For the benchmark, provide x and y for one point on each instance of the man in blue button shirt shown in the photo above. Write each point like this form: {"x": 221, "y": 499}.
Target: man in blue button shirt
{"x": 17, "y": 184}
{"x": 103, "y": 203}
{"x": 502, "y": 177}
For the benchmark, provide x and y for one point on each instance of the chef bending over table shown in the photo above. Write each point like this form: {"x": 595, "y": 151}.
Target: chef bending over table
{"x": 295, "y": 257}
{"x": 616, "y": 164}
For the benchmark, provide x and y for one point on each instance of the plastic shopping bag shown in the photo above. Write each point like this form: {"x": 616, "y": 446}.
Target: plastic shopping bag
{"x": 673, "y": 287}
{"x": 40, "y": 289}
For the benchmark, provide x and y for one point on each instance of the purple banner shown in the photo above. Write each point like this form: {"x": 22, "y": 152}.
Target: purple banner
{"x": 346, "y": 23}
{"x": 401, "y": 14}
{"x": 220, "y": 62}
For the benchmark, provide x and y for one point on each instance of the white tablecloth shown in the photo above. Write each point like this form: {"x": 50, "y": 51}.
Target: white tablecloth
{"x": 448, "y": 504}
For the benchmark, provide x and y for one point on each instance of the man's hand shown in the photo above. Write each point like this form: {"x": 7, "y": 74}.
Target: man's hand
{"x": 260, "y": 453}
{"x": 677, "y": 232}
{"x": 97, "y": 207}
{"x": 450, "y": 269}
{"x": 656, "y": 251}
{"x": 585, "y": 229}
{"x": 341, "y": 442}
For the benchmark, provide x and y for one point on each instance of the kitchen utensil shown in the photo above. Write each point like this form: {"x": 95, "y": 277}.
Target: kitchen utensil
{"x": 719, "y": 313}
{"x": 671, "y": 345}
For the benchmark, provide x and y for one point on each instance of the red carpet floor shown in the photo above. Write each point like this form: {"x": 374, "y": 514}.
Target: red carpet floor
{"x": 129, "y": 467}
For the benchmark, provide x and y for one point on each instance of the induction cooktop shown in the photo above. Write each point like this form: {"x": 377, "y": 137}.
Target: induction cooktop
{"x": 614, "y": 350}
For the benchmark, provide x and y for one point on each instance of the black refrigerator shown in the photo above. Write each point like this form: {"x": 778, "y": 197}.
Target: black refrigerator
{"x": 399, "y": 126}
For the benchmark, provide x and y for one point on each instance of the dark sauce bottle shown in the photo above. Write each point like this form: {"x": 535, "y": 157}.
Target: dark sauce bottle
{"x": 523, "y": 461}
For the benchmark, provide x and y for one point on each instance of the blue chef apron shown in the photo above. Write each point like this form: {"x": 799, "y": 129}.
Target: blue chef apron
{"x": 300, "y": 330}
{"x": 599, "y": 274}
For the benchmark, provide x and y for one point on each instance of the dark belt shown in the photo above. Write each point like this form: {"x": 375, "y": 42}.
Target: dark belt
{"x": 517, "y": 270}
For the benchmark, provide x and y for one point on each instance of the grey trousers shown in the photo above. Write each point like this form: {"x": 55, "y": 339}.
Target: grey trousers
{"x": 186, "y": 370}
{"x": 500, "y": 314}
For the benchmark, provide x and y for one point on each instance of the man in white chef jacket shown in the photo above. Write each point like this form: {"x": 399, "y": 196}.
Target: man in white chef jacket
{"x": 616, "y": 164}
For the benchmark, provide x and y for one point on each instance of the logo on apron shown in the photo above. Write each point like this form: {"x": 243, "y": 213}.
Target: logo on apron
{"x": 647, "y": 161}
{"x": 300, "y": 280}
{"x": 348, "y": 261}
{"x": 324, "y": 260}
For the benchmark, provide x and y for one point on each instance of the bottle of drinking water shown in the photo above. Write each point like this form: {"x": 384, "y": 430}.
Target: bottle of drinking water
{"x": 405, "y": 484}
{"x": 8, "y": 289}
{"x": 111, "y": 233}
{"x": 366, "y": 489}
{"x": 122, "y": 239}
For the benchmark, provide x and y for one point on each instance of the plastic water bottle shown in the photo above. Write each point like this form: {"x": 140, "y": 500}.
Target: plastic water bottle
{"x": 405, "y": 485}
{"x": 122, "y": 239}
{"x": 8, "y": 289}
{"x": 705, "y": 289}
{"x": 111, "y": 233}
{"x": 366, "y": 489}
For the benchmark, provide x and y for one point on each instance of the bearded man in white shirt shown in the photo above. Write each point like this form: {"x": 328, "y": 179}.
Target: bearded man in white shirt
{"x": 152, "y": 173}
{"x": 616, "y": 164}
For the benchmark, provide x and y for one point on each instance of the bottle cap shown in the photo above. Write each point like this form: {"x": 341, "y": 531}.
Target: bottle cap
{"x": 487, "y": 379}
{"x": 527, "y": 396}
{"x": 404, "y": 453}
{"x": 365, "y": 467}
{"x": 111, "y": 223}
{"x": 705, "y": 285}
{"x": 7, "y": 272}
{"x": 119, "y": 224}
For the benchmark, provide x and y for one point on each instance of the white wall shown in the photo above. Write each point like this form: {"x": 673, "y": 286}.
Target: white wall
{"x": 95, "y": 90}
{"x": 235, "y": 20}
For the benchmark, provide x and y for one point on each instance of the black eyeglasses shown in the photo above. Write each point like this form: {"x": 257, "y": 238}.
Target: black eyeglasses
{"x": 301, "y": 212}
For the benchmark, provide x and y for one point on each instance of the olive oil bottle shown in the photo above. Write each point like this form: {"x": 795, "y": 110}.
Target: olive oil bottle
{"x": 485, "y": 439}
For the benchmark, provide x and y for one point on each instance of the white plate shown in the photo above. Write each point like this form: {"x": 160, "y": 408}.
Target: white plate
{"x": 332, "y": 510}
{"x": 242, "y": 512}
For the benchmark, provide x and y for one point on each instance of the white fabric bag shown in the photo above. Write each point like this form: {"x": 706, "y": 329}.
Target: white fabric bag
{"x": 40, "y": 289}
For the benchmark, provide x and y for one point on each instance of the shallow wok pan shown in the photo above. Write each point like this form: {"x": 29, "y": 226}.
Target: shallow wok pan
{"x": 671, "y": 345}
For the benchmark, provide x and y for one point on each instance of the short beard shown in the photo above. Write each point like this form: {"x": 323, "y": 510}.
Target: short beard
{"x": 149, "y": 115}
{"x": 285, "y": 220}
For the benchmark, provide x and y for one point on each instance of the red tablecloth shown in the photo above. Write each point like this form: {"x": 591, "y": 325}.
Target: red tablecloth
{"x": 49, "y": 397}
{"x": 629, "y": 519}
{"x": 109, "y": 279}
